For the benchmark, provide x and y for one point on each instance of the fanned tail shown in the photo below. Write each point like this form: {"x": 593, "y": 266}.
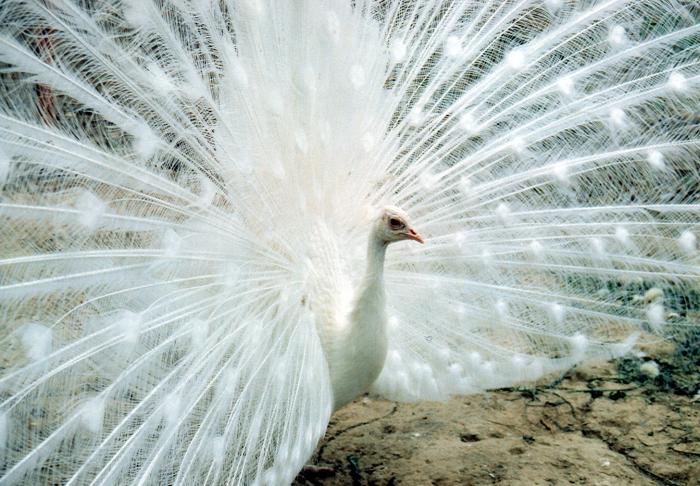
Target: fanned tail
{"x": 550, "y": 154}
{"x": 164, "y": 163}
{"x": 152, "y": 329}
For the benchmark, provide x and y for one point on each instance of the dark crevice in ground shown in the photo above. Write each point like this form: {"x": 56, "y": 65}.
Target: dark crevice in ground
{"x": 319, "y": 455}
{"x": 588, "y": 432}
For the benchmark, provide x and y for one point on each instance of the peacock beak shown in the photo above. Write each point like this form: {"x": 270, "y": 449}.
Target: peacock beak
{"x": 413, "y": 235}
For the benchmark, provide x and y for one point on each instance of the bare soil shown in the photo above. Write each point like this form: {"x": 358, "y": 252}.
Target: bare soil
{"x": 596, "y": 425}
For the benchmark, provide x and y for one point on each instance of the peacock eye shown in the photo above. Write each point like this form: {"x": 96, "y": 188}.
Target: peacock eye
{"x": 396, "y": 224}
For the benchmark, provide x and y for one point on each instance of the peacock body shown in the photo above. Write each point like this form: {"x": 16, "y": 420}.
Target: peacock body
{"x": 195, "y": 195}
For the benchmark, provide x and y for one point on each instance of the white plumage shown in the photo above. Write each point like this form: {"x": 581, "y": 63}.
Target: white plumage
{"x": 196, "y": 202}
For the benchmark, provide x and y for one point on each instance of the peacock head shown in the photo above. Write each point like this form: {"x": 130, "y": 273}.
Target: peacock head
{"x": 394, "y": 225}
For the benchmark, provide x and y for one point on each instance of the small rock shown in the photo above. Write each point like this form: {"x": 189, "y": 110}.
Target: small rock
{"x": 617, "y": 395}
{"x": 469, "y": 437}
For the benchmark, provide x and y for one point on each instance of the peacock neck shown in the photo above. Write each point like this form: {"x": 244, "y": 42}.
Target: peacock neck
{"x": 376, "y": 253}
{"x": 371, "y": 297}
{"x": 358, "y": 354}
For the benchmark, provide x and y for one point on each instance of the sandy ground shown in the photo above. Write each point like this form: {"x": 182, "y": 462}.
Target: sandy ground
{"x": 597, "y": 425}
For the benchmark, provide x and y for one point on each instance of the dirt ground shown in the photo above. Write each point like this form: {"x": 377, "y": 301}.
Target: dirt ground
{"x": 603, "y": 424}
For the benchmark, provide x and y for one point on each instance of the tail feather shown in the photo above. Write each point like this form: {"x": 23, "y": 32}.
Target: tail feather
{"x": 165, "y": 166}
{"x": 553, "y": 170}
